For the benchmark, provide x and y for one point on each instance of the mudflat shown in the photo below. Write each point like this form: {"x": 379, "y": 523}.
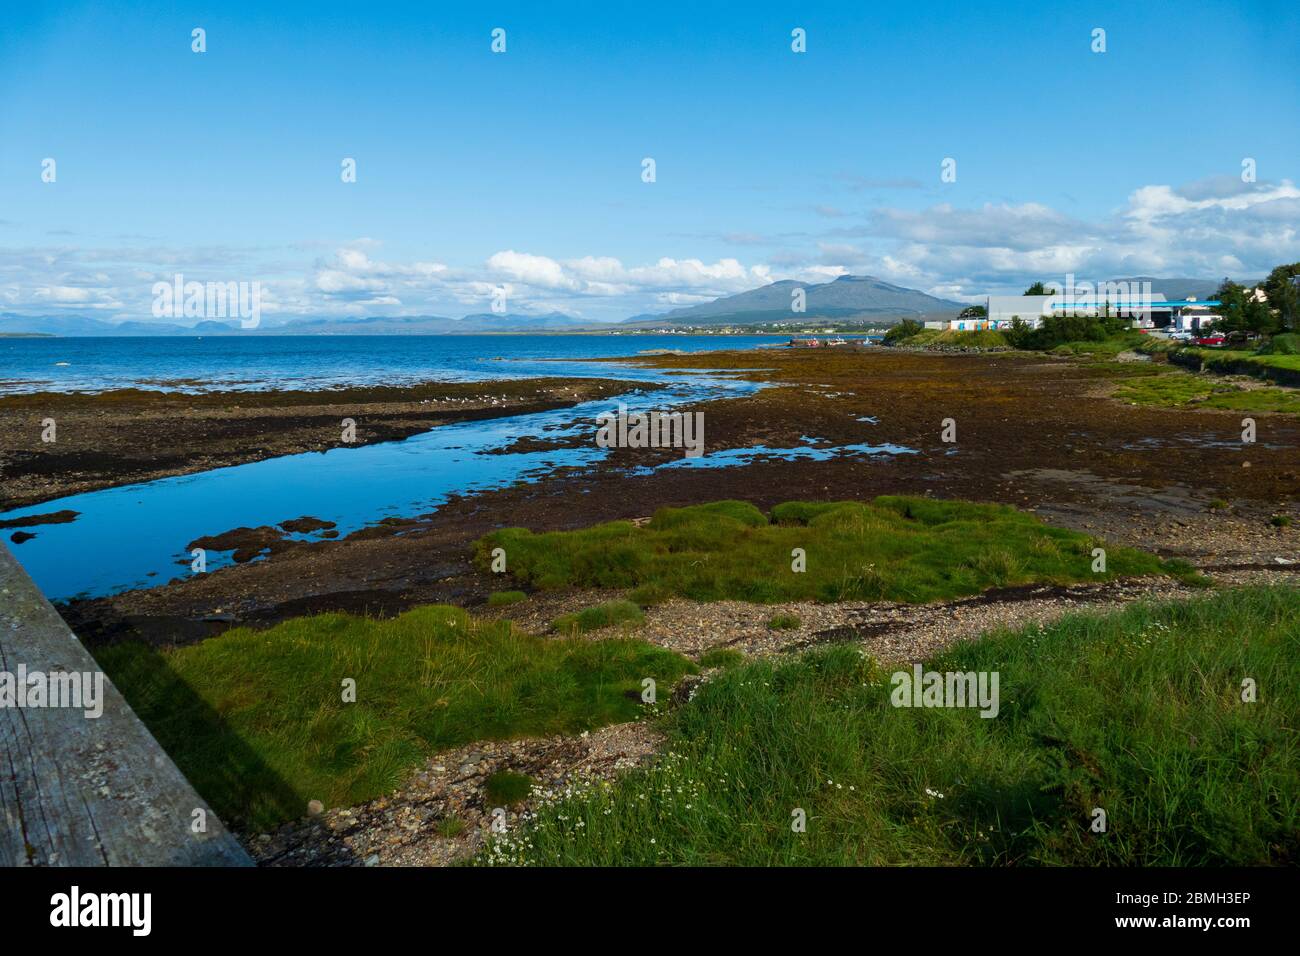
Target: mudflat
{"x": 1040, "y": 433}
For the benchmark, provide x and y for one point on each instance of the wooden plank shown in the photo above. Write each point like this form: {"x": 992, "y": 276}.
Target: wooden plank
{"x": 87, "y": 791}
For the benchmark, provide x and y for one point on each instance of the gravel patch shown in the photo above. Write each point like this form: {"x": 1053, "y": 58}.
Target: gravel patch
{"x": 408, "y": 827}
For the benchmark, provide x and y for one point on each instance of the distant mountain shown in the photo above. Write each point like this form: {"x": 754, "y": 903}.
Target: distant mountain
{"x": 430, "y": 324}
{"x": 846, "y": 299}
{"x": 75, "y": 325}
{"x": 376, "y": 325}
{"x": 863, "y": 298}
{"x": 489, "y": 322}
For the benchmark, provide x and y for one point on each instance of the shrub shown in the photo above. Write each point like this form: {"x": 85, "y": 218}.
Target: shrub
{"x": 1286, "y": 344}
{"x": 903, "y": 330}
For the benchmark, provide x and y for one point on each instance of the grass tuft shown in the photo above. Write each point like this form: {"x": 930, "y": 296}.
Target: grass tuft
{"x": 506, "y": 788}
{"x": 450, "y": 827}
{"x": 721, "y": 657}
{"x": 783, "y": 622}
{"x": 602, "y": 615}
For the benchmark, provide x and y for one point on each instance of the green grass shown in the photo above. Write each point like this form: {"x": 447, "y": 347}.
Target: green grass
{"x": 1137, "y": 712}
{"x": 602, "y": 615}
{"x": 502, "y": 598}
{"x": 256, "y": 720}
{"x": 648, "y": 595}
{"x": 506, "y": 788}
{"x": 1279, "y": 366}
{"x": 974, "y": 339}
{"x": 721, "y": 657}
{"x": 1289, "y": 362}
{"x": 783, "y": 622}
{"x": 893, "y": 548}
{"x": 451, "y": 827}
{"x": 1280, "y": 521}
{"x": 1105, "y": 349}
{"x": 1177, "y": 388}
{"x": 922, "y": 338}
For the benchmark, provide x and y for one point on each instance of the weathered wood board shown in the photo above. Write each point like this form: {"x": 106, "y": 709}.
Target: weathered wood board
{"x": 81, "y": 791}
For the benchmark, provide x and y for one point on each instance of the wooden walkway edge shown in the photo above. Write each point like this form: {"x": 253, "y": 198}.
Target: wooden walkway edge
{"x": 81, "y": 791}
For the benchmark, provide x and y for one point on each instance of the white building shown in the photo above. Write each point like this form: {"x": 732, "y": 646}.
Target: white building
{"x": 1146, "y": 311}
{"x": 1003, "y": 308}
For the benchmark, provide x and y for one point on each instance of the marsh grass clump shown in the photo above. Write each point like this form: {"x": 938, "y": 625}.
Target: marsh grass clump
{"x": 721, "y": 657}
{"x": 1175, "y": 388}
{"x": 451, "y": 827}
{"x": 783, "y": 622}
{"x": 1141, "y": 711}
{"x": 602, "y": 615}
{"x": 999, "y": 565}
{"x": 648, "y": 595}
{"x": 260, "y": 723}
{"x": 502, "y": 598}
{"x": 506, "y": 788}
{"x": 1187, "y": 572}
{"x": 894, "y": 548}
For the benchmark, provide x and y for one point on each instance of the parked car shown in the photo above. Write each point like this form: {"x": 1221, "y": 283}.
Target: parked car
{"x": 1214, "y": 340}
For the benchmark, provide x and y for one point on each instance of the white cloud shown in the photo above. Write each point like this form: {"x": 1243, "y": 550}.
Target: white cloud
{"x": 1205, "y": 229}
{"x": 1208, "y": 229}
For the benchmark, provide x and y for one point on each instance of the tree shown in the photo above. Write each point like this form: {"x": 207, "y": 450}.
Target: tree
{"x": 903, "y": 330}
{"x": 1019, "y": 335}
{"x": 1037, "y": 289}
{"x": 1242, "y": 311}
{"x": 1284, "y": 294}
{"x": 973, "y": 312}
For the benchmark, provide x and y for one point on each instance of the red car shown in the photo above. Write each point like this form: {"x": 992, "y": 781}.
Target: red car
{"x": 1214, "y": 341}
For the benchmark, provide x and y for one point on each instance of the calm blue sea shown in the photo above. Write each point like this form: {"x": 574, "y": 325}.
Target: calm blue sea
{"x": 323, "y": 361}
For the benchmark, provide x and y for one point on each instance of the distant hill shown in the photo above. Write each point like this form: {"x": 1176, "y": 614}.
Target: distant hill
{"x": 862, "y": 298}
{"x": 11, "y": 325}
{"x": 432, "y": 324}
{"x": 76, "y": 325}
{"x": 846, "y": 299}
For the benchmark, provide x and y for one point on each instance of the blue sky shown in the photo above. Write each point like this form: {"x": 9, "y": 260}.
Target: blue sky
{"x": 522, "y": 170}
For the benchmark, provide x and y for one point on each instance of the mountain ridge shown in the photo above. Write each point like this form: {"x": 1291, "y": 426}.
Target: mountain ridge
{"x": 846, "y": 298}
